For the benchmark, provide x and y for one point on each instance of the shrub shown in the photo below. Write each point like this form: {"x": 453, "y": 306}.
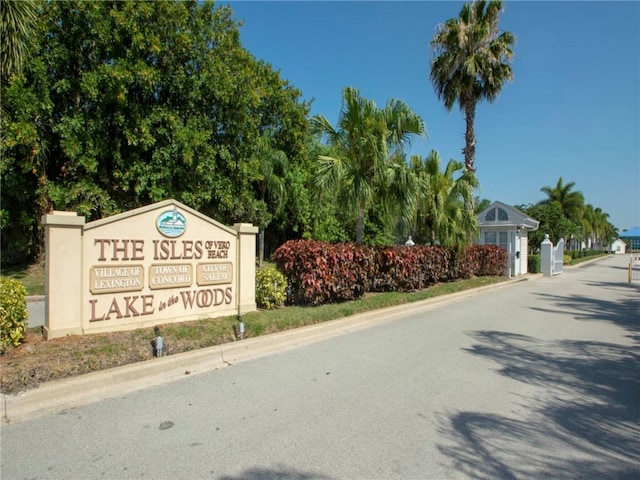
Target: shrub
{"x": 271, "y": 288}
{"x": 13, "y": 312}
{"x": 566, "y": 259}
{"x": 533, "y": 262}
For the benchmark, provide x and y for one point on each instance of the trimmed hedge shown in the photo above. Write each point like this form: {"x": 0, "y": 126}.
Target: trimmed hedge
{"x": 320, "y": 272}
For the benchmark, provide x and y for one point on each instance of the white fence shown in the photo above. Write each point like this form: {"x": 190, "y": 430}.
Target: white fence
{"x": 558, "y": 257}
{"x": 551, "y": 257}
{"x": 634, "y": 267}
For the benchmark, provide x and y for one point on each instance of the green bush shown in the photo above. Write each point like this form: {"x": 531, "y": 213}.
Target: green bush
{"x": 271, "y": 288}
{"x": 566, "y": 259}
{"x": 533, "y": 263}
{"x": 13, "y": 312}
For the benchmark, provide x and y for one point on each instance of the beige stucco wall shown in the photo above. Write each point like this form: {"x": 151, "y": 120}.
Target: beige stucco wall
{"x": 158, "y": 264}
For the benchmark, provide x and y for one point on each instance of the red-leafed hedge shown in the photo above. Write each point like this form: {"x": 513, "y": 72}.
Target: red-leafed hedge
{"x": 408, "y": 268}
{"x": 320, "y": 272}
{"x": 493, "y": 260}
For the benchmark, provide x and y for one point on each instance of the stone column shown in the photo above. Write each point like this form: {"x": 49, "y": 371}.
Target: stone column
{"x": 546, "y": 256}
{"x": 246, "y": 251}
{"x": 63, "y": 274}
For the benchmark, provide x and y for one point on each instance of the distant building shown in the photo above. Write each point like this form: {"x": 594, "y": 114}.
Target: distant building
{"x": 632, "y": 239}
{"x": 618, "y": 246}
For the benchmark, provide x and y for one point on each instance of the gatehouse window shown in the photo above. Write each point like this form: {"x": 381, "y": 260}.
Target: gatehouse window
{"x": 501, "y": 213}
{"x": 497, "y": 238}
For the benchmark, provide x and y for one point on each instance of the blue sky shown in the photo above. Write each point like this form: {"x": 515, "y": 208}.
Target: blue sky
{"x": 572, "y": 111}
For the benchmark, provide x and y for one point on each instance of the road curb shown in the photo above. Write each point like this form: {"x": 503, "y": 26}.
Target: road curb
{"x": 61, "y": 395}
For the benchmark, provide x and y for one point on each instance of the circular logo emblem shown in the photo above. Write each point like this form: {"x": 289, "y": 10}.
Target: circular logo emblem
{"x": 171, "y": 223}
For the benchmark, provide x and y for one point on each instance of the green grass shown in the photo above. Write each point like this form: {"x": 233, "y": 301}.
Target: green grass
{"x": 31, "y": 276}
{"x": 266, "y": 321}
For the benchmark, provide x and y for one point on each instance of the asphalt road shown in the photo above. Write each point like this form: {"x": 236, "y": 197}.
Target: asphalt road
{"x": 537, "y": 380}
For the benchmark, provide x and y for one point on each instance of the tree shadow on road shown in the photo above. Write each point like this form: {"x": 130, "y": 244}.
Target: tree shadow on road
{"x": 624, "y": 313}
{"x": 583, "y": 421}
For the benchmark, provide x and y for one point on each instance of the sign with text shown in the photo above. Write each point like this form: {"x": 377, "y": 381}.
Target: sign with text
{"x": 156, "y": 264}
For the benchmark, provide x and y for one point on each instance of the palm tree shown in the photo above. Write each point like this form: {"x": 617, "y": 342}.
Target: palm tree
{"x": 369, "y": 166}
{"x": 590, "y": 225}
{"x": 18, "y": 21}
{"x": 272, "y": 164}
{"x": 470, "y": 62}
{"x": 604, "y": 231}
{"x": 480, "y": 204}
{"x": 442, "y": 200}
{"x": 609, "y": 232}
{"x": 571, "y": 203}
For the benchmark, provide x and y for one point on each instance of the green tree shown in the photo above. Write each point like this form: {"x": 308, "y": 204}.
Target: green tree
{"x": 128, "y": 103}
{"x": 17, "y": 224}
{"x": 442, "y": 217}
{"x": 471, "y": 62}
{"x": 369, "y": 165}
{"x": 598, "y": 230}
{"x": 552, "y": 222}
{"x": 571, "y": 204}
{"x": 590, "y": 225}
{"x": 272, "y": 165}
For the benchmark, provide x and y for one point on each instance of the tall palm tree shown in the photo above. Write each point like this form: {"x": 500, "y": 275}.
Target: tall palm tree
{"x": 609, "y": 232}
{"x": 442, "y": 200}
{"x": 571, "y": 202}
{"x": 370, "y": 142}
{"x": 590, "y": 225}
{"x": 604, "y": 231}
{"x": 470, "y": 62}
{"x": 18, "y": 21}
